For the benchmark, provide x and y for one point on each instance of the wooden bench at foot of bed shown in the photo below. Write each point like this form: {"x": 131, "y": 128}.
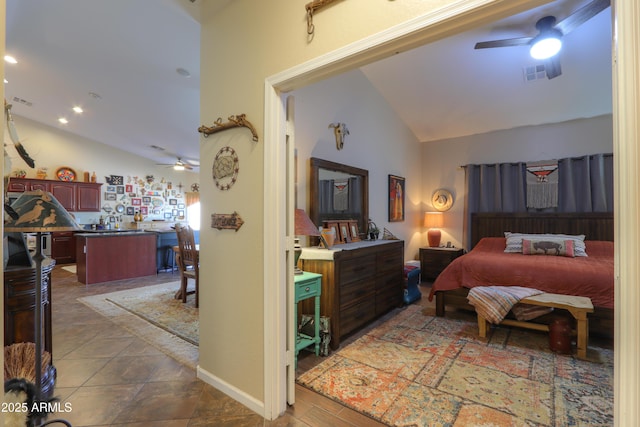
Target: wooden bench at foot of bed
{"x": 577, "y": 306}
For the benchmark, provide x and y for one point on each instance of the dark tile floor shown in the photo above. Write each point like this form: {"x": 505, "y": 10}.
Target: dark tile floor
{"x": 113, "y": 378}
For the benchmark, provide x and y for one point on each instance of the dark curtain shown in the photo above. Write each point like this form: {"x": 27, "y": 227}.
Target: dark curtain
{"x": 585, "y": 184}
{"x": 355, "y": 197}
{"x": 326, "y": 196}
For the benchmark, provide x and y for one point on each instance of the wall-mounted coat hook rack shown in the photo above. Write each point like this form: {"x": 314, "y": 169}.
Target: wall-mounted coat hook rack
{"x": 234, "y": 122}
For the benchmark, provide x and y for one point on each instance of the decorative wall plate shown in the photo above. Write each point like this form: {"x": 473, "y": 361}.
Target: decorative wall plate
{"x": 442, "y": 200}
{"x": 66, "y": 174}
{"x": 225, "y": 168}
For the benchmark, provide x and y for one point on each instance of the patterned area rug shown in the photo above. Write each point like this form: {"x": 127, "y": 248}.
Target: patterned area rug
{"x": 153, "y": 314}
{"x": 422, "y": 370}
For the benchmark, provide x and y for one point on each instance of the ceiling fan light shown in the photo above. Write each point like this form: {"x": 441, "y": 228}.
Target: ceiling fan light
{"x": 546, "y": 45}
{"x": 178, "y": 167}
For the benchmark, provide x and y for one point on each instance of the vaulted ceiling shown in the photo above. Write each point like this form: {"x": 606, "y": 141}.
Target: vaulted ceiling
{"x": 125, "y": 63}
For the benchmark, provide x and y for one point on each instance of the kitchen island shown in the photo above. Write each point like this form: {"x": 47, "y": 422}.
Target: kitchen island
{"x": 115, "y": 255}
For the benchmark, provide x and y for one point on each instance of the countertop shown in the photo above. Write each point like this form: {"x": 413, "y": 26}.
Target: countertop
{"x": 102, "y": 233}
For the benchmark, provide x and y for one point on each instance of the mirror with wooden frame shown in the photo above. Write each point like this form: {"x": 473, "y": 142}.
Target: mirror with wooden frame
{"x": 338, "y": 193}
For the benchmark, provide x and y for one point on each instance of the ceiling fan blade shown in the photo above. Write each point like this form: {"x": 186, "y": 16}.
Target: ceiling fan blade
{"x": 582, "y": 15}
{"x": 552, "y": 67}
{"x": 520, "y": 41}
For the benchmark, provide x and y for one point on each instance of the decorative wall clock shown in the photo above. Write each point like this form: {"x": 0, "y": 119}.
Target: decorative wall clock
{"x": 225, "y": 168}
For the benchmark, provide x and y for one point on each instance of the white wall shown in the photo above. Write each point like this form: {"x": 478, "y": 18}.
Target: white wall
{"x": 442, "y": 159}
{"x": 53, "y": 148}
{"x": 378, "y": 141}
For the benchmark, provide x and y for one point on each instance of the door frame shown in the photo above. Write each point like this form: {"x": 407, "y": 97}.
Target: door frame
{"x": 450, "y": 20}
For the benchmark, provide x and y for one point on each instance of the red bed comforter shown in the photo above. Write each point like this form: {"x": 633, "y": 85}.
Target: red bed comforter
{"x": 488, "y": 265}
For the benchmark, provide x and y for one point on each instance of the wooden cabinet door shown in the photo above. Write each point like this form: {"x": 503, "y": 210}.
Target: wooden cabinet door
{"x": 39, "y": 185}
{"x": 65, "y": 193}
{"x": 17, "y": 185}
{"x": 63, "y": 247}
{"x": 88, "y": 199}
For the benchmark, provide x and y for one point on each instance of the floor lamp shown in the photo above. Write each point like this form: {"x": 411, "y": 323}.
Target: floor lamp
{"x": 39, "y": 212}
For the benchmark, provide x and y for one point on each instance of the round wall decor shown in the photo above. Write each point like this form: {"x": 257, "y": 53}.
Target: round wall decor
{"x": 65, "y": 173}
{"x": 225, "y": 168}
{"x": 442, "y": 200}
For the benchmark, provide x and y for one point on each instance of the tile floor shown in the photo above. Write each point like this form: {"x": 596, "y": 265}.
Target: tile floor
{"x": 112, "y": 378}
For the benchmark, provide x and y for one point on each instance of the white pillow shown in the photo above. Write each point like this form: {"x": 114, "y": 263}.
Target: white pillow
{"x": 514, "y": 241}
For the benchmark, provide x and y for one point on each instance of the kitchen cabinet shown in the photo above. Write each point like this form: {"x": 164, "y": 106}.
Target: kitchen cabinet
{"x": 360, "y": 282}
{"x": 74, "y": 196}
{"x": 63, "y": 247}
{"x": 104, "y": 257}
{"x": 65, "y": 193}
{"x": 88, "y": 197}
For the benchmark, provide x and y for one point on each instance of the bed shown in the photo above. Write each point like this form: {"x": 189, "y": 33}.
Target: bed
{"x": 484, "y": 265}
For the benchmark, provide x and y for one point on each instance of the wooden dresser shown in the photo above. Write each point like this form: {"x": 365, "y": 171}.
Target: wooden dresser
{"x": 360, "y": 282}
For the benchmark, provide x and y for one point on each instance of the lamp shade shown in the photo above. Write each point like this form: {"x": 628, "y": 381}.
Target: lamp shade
{"x": 39, "y": 211}
{"x": 433, "y": 219}
{"x": 303, "y": 225}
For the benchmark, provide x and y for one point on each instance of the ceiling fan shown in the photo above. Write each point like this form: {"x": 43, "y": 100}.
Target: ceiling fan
{"x": 179, "y": 165}
{"x": 547, "y": 43}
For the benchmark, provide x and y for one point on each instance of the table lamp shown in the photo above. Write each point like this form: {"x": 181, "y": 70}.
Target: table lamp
{"x": 39, "y": 212}
{"x": 303, "y": 227}
{"x": 433, "y": 221}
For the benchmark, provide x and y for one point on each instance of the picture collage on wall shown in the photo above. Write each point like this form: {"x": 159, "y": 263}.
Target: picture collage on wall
{"x": 154, "y": 199}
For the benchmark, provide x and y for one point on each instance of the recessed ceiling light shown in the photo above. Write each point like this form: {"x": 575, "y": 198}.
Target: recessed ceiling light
{"x": 6, "y": 81}
{"x": 63, "y": 120}
{"x": 10, "y": 59}
{"x": 78, "y": 109}
{"x": 183, "y": 72}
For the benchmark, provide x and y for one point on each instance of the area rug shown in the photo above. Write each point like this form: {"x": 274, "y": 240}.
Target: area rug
{"x": 153, "y": 314}
{"x": 421, "y": 370}
{"x": 70, "y": 268}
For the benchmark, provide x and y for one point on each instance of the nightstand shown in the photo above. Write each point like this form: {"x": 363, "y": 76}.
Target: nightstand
{"x": 434, "y": 260}
{"x": 308, "y": 285}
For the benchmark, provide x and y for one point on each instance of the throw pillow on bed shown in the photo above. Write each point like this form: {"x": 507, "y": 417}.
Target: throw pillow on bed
{"x": 556, "y": 247}
{"x": 514, "y": 241}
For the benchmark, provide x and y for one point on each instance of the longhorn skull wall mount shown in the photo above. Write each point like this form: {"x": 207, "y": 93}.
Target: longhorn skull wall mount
{"x": 339, "y": 130}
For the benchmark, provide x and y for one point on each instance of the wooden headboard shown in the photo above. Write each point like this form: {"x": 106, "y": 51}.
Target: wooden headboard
{"x": 595, "y": 226}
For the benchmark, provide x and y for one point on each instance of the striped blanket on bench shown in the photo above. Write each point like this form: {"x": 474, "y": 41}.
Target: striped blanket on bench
{"x": 494, "y": 302}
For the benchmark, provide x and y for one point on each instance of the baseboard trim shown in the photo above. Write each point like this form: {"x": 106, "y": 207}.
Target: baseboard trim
{"x": 231, "y": 391}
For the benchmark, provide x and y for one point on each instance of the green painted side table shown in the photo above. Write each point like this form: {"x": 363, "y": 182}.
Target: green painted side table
{"x": 308, "y": 285}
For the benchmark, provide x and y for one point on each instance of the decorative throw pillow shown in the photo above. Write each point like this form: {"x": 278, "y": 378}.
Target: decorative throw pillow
{"x": 514, "y": 241}
{"x": 548, "y": 247}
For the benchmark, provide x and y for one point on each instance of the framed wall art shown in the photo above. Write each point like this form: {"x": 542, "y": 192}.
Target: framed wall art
{"x": 110, "y": 196}
{"x": 396, "y": 198}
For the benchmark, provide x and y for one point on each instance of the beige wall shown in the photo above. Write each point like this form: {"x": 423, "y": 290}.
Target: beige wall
{"x": 553, "y": 141}
{"x": 2, "y": 167}
{"x": 52, "y": 148}
{"x": 378, "y": 141}
{"x": 242, "y": 45}
{"x": 250, "y": 41}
